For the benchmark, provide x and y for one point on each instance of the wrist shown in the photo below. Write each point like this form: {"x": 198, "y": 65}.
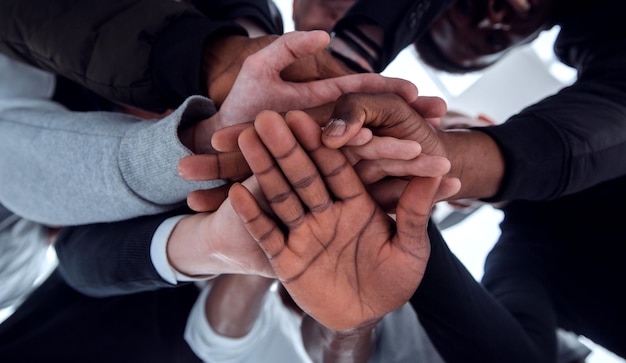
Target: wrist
{"x": 476, "y": 160}
{"x": 159, "y": 253}
{"x": 350, "y": 335}
{"x": 186, "y": 250}
{"x": 235, "y": 303}
{"x": 352, "y": 345}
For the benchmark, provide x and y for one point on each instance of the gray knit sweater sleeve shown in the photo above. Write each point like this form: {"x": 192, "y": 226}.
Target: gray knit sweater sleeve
{"x": 64, "y": 168}
{"x": 59, "y": 167}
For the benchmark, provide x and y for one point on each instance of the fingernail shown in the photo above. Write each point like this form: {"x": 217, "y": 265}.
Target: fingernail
{"x": 335, "y": 127}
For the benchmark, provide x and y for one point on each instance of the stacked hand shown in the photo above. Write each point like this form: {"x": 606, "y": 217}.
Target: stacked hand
{"x": 342, "y": 259}
{"x": 259, "y": 86}
{"x": 215, "y": 243}
{"x": 223, "y": 60}
{"x": 391, "y": 116}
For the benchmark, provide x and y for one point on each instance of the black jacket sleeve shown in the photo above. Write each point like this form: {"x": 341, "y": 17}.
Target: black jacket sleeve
{"x": 574, "y": 139}
{"x": 107, "y": 259}
{"x": 465, "y": 322}
{"x": 402, "y": 22}
{"x": 141, "y": 52}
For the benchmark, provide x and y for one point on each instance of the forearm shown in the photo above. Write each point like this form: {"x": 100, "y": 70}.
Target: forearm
{"x": 235, "y": 302}
{"x": 476, "y": 160}
{"x": 266, "y": 333}
{"x": 328, "y": 346}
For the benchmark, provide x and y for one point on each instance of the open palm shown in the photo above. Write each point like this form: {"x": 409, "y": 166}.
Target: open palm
{"x": 343, "y": 260}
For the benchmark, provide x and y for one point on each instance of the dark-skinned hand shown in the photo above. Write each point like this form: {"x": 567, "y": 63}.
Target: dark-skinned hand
{"x": 342, "y": 258}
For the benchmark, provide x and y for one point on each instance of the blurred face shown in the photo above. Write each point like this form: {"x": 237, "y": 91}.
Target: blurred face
{"x": 473, "y": 34}
{"x": 319, "y": 14}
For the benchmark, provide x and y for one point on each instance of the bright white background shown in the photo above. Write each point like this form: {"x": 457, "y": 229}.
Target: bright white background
{"x": 520, "y": 79}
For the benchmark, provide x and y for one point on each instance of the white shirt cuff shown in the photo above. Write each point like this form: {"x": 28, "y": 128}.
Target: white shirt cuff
{"x": 158, "y": 253}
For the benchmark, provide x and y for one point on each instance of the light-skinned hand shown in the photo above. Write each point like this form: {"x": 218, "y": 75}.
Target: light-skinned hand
{"x": 259, "y": 85}
{"x": 215, "y": 243}
{"x": 224, "y": 58}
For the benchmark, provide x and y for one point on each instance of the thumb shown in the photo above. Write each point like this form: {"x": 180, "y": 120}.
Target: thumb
{"x": 347, "y": 119}
{"x": 413, "y": 212}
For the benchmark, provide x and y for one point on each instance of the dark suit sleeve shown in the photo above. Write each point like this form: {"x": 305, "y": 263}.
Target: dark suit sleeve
{"x": 402, "y": 23}
{"x": 464, "y": 320}
{"x": 108, "y": 259}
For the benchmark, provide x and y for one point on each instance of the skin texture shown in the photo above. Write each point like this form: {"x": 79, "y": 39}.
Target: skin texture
{"x": 224, "y": 58}
{"x": 262, "y": 71}
{"x": 329, "y": 346}
{"x": 229, "y": 164}
{"x": 213, "y": 243}
{"x": 475, "y": 158}
{"x": 456, "y": 120}
{"x": 342, "y": 258}
{"x": 249, "y": 95}
{"x": 235, "y": 302}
